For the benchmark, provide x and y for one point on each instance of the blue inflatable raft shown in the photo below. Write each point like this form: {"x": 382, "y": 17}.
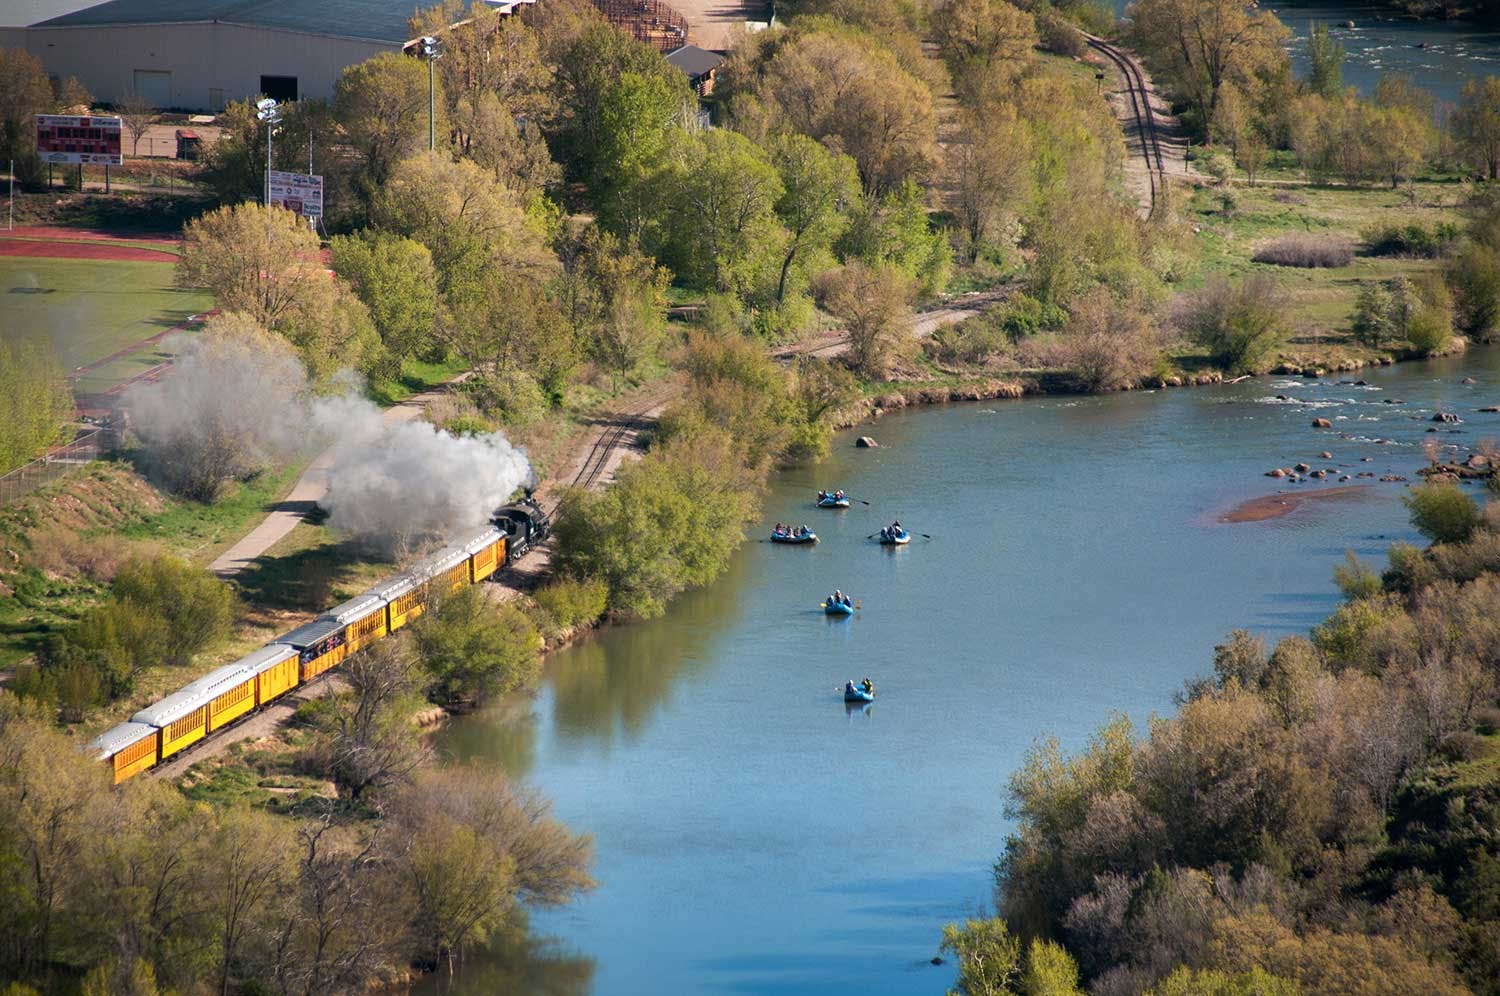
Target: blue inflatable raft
{"x": 833, "y": 608}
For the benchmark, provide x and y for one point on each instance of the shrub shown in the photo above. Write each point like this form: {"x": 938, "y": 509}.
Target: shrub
{"x": 973, "y": 340}
{"x": 1410, "y": 240}
{"x": 1487, "y": 721}
{"x": 1462, "y": 745}
{"x": 473, "y": 649}
{"x": 1474, "y": 276}
{"x": 193, "y": 606}
{"x": 1479, "y": 554}
{"x": 1442, "y": 512}
{"x": 670, "y": 522}
{"x": 569, "y": 602}
{"x": 1239, "y": 324}
{"x": 1356, "y": 579}
{"x": 1060, "y": 37}
{"x": 1308, "y": 251}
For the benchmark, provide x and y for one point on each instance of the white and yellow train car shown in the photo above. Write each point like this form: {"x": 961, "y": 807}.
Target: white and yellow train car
{"x": 128, "y": 749}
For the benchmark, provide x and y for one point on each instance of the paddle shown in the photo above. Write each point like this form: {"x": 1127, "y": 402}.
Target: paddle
{"x": 857, "y": 604}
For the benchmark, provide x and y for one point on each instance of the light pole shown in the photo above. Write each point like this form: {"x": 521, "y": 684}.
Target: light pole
{"x": 432, "y": 52}
{"x": 268, "y": 112}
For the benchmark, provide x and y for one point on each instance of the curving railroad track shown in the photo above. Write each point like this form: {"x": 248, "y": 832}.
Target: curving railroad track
{"x": 1140, "y": 107}
{"x": 614, "y": 436}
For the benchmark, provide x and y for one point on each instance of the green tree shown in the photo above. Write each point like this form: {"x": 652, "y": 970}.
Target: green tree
{"x": 984, "y": 42}
{"x": 989, "y": 958}
{"x": 1197, "y": 47}
{"x": 992, "y": 175}
{"x": 381, "y": 106}
{"x": 1239, "y": 324}
{"x": 1474, "y": 274}
{"x": 715, "y": 219}
{"x": 616, "y": 300}
{"x": 194, "y": 607}
{"x": 845, "y": 89}
{"x": 36, "y": 402}
{"x": 1476, "y": 125}
{"x": 1050, "y": 971}
{"x": 1442, "y": 512}
{"x": 819, "y": 190}
{"x": 474, "y": 650}
{"x": 395, "y": 279}
{"x": 1371, "y": 321}
{"x": 872, "y": 303}
{"x": 587, "y": 56}
{"x": 24, "y": 93}
{"x": 1325, "y": 55}
{"x": 638, "y": 117}
{"x": 258, "y": 262}
{"x": 692, "y": 496}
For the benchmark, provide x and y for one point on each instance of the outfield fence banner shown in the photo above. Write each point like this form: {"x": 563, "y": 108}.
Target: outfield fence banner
{"x": 59, "y": 461}
{"x": 299, "y": 192}
{"x": 62, "y": 138}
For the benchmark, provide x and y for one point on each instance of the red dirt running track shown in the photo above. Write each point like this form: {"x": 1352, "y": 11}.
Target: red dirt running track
{"x": 83, "y": 250}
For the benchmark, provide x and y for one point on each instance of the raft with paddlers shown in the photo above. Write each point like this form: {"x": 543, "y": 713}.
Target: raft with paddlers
{"x": 862, "y": 692}
{"x": 801, "y": 535}
{"x": 833, "y": 499}
{"x": 838, "y": 604}
{"x": 894, "y": 536}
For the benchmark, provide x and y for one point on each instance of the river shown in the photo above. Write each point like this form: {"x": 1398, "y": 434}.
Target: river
{"x": 754, "y": 835}
{"x": 1441, "y": 55}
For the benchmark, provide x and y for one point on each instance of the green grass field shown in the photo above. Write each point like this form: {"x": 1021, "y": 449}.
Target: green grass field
{"x": 1321, "y": 300}
{"x": 89, "y": 309}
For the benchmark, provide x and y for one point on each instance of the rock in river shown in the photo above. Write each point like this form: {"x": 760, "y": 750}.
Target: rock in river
{"x": 1321, "y": 423}
{"x": 866, "y": 443}
{"x": 1275, "y": 472}
{"x": 1446, "y": 417}
{"x": 1302, "y": 468}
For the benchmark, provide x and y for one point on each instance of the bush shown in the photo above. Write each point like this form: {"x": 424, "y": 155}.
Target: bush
{"x": 1060, "y": 37}
{"x": 1474, "y": 276}
{"x": 1308, "y": 251}
{"x": 1442, "y": 512}
{"x": 973, "y": 340}
{"x": 473, "y": 649}
{"x": 1239, "y": 324}
{"x": 1410, "y": 240}
{"x": 1487, "y": 721}
{"x": 670, "y": 522}
{"x": 569, "y": 602}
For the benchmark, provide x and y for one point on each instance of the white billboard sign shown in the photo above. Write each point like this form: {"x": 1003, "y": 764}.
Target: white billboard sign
{"x": 299, "y": 192}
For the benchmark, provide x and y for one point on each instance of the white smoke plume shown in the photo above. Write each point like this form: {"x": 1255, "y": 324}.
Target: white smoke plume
{"x": 232, "y": 405}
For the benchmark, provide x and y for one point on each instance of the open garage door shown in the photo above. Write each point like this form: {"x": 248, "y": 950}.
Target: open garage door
{"x": 155, "y": 85}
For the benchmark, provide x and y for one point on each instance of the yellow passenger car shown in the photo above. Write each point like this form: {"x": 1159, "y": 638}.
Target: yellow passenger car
{"x": 129, "y": 749}
{"x": 274, "y": 668}
{"x": 230, "y": 691}
{"x": 486, "y": 554}
{"x": 180, "y": 719}
{"x": 446, "y": 572}
{"x": 320, "y": 644}
{"x": 363, "y": 619}
{"x": 405, "y": 598}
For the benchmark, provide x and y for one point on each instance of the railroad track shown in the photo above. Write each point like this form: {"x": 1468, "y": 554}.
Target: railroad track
{"x": 1140, "y": 107}
{"x": 620, "y": 426}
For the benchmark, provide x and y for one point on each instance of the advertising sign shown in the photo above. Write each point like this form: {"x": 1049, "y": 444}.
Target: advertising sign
{"x": 61, "y": 138}
{"x": 298, "y": 192}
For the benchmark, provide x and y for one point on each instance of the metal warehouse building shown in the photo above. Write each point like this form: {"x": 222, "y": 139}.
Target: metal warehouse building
{"x": 198, "y": 54}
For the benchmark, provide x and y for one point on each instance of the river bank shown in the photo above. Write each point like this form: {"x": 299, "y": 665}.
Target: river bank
{"x": 1077, "y": 568}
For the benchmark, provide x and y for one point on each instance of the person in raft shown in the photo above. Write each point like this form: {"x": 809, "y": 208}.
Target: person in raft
{"x": 868, "y": 686}
{"x": 849, "y": 687}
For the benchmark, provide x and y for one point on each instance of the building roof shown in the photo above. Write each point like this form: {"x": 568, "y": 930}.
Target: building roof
{"x": 378, "y": 20}
{"x": 693, "y": 60}
{"x": 21, "y": 13}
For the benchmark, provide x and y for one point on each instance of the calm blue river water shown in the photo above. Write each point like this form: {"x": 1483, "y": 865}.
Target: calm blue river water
{"x": 756, "y": 836}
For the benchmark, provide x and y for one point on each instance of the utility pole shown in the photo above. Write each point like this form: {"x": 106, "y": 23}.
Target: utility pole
{"x": 431, "y": 51}
{"x": 10, "y": 223}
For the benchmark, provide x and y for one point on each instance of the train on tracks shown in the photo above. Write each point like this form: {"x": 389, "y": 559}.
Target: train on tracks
{"x": 233, "y": 691}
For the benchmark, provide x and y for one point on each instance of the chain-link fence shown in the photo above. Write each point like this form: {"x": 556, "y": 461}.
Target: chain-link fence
{"x": 44, "y": 470}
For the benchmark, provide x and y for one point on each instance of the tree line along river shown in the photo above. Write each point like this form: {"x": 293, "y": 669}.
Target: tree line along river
{"x": 754, "y": 835}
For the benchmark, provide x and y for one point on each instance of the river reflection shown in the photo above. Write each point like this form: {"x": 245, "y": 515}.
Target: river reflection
{"x": 755, "y": 834}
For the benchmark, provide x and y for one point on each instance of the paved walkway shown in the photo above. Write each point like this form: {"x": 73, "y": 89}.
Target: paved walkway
{"x": 305, "y": 494}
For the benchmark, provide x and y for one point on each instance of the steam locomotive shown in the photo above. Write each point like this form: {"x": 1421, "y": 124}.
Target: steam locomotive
{"x": 224, "y": 695}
